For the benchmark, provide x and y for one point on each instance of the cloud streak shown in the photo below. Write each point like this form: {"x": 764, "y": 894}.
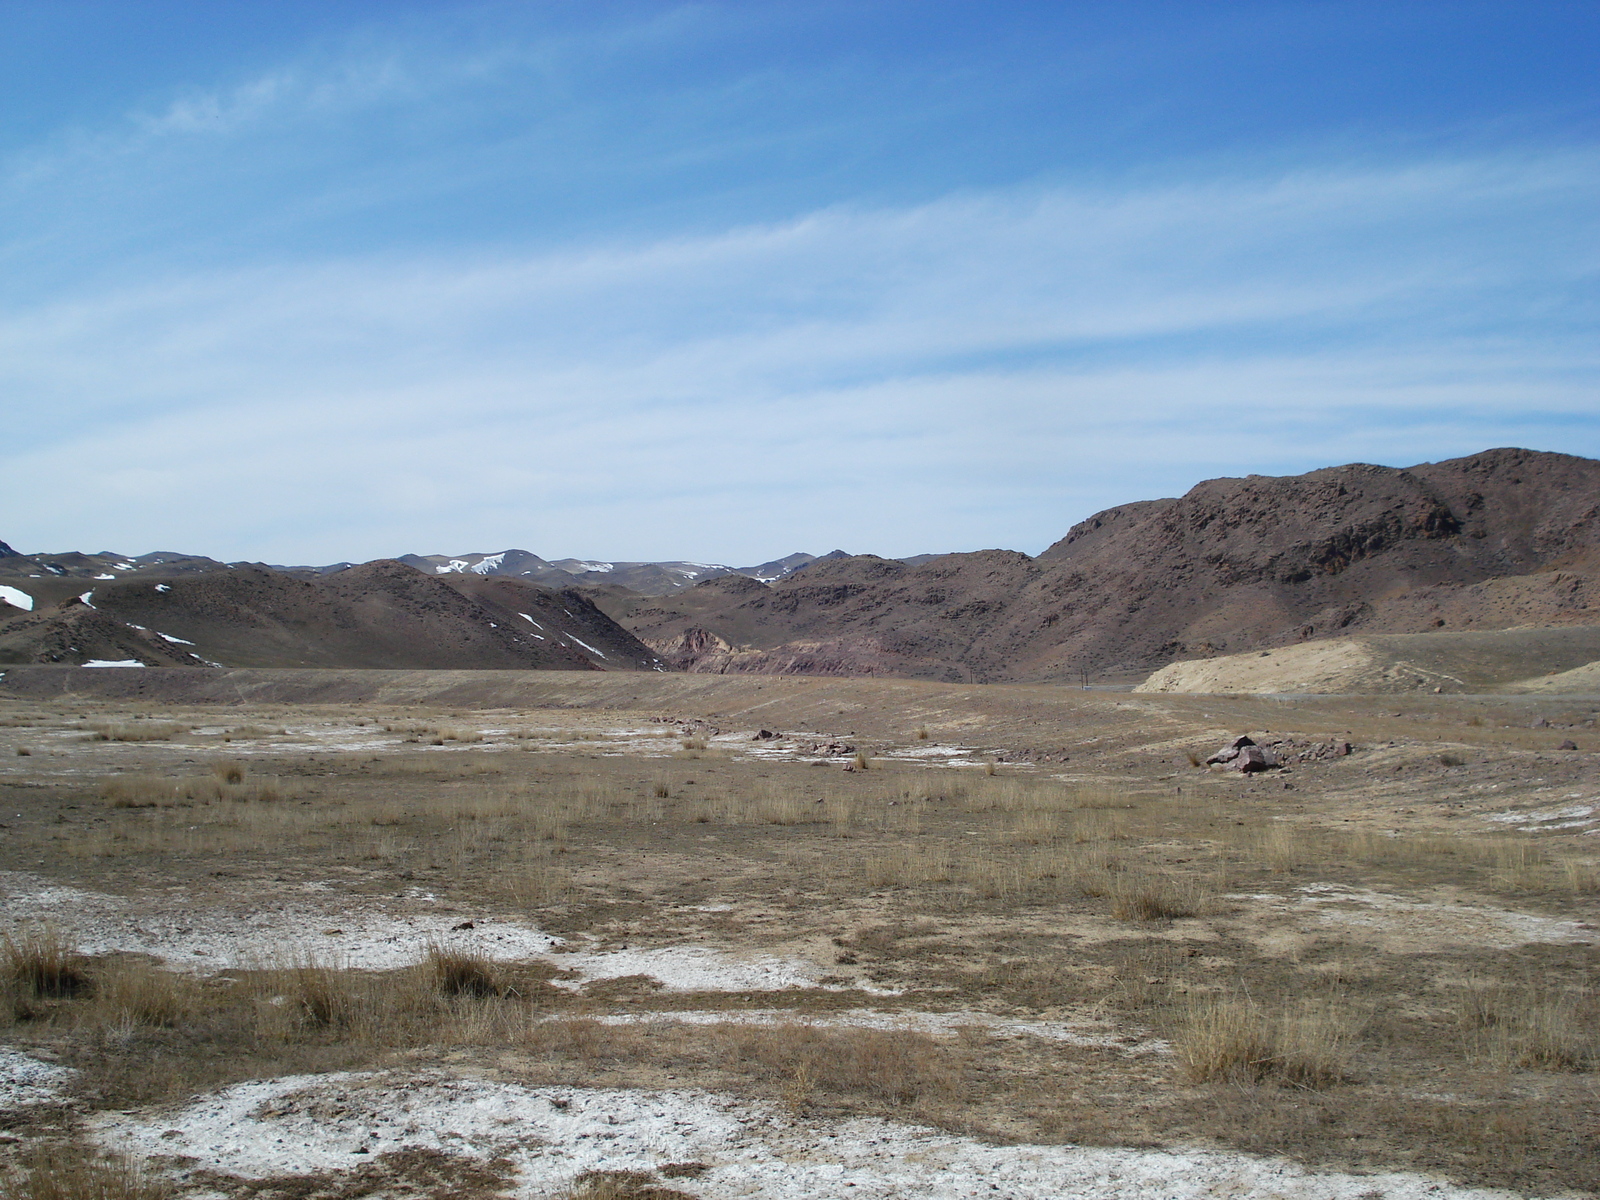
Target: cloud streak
{"x": 980, "y": 370}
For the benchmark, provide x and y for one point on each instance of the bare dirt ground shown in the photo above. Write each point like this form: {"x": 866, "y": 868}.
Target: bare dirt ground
{"x": 336, "y": 934}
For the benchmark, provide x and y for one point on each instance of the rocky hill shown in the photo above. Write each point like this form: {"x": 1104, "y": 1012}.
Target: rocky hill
{"x": 1496, "y": 540}
{"x": 1499, "y": 539}
{"x": 382, "y": 614}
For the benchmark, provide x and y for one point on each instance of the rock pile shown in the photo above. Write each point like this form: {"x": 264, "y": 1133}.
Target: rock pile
{"x": 1243, "y": 755}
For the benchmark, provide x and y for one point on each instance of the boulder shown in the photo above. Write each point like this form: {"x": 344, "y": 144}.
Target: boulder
{"x": 1231, "y": 751}
{"x": 1253, "y": 758}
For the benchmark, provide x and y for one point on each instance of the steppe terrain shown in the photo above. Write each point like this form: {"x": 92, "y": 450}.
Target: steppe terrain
{"x": 338, "y": 933}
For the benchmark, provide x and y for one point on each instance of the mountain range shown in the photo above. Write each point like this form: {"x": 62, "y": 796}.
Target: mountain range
{"x": 1494, "y": 540}
{"x": 646, "y": 578}
{"x": 649, "y": 578}
{"x": 1505, "y": 538}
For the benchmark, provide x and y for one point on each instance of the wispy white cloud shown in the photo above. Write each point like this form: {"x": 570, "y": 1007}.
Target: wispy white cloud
{"x": 985, "y": 369}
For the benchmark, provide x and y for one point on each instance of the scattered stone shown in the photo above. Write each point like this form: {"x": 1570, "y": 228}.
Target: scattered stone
{"x": 1569, "y": 744}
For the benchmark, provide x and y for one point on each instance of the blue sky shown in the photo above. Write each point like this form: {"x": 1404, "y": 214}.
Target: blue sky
{"x": 306, "y": 282}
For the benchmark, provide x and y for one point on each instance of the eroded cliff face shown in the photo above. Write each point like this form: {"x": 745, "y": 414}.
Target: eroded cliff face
{"x": 1503, "y": 538}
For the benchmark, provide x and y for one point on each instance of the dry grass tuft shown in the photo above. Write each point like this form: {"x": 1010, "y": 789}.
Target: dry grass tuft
{"x": 60, "y": 1172}
{"x": 540, "y": 883}
{"x": 137, "y": 993}
{"x": 1528, "y": 1026}
{"x": 314, "y": 995}
{"x": 229, "y": 770}
{"x": 138, "y": 731}
{"x": 245, "y": 732}
{"x": 226, "y": 783}
{"x": 463, "y": 973}
{"x": 622, "y": 1185}
{"x": 1139, "y": 897}
{"x": 44, "y": 964}
{"x": 1237, "y": 1041}
{"x": 885, "y": 1066}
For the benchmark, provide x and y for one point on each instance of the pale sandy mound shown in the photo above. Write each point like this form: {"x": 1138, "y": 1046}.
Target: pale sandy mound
{"x": 1582, "y": 681}
{"x": 1326, "y": 665}
{"x": 1564, "y": 660}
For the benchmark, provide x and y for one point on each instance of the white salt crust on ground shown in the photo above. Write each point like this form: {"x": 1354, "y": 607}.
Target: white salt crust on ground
{"x": 345, "y": 932}
{"x": 1385, "y": 918}
{"x": 702, "y": 969}
{"x": 356, "y": 932}
{"x": 26, "y": 1081}
{"x": 650, "y": 741}
{"x": 327, "y": 1124}
{"x": 1097, "y": 1034}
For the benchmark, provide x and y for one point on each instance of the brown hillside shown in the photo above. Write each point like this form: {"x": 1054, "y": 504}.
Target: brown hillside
{"x": 383, "y": 614}
{"x": 75, "y": 633}
{"x": 1503, "y": 538}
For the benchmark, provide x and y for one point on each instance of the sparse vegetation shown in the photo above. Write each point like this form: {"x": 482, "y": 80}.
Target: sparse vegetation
{"x": 43, "y": 964}
{"x": 1239, "y": 921}
{"x": 1140, "y": 897}
{"x": 1235, "y": 1040}
{"x": 1524, "y": 1025}
{"x": 457, "y": 972}
{"x": 137, "y": 993}
{"x": 229, "y": 771}
{"x": 57, "y": 1171}
{"x": 622, "y": 1185}
{"x": 138, "y": 731}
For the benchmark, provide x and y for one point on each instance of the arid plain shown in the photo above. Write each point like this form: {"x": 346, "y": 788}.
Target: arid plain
{"x": 339, "y": 933}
